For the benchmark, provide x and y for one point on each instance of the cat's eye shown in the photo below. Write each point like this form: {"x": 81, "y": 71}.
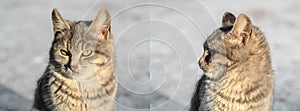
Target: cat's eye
{"x": 208, "y": 56}
{"x": 87, "y": 53}
{"x": 63, "y": 52}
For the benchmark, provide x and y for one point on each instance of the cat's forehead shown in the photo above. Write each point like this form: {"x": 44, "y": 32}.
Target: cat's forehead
{"x": 81, "y": 31}
{"x": 80, "y": 28}
{"x": 80, "y": 38}
{"x": 218, "y": 33}
{"x": 214, "y": 41}
{"x": 214, "y": 37}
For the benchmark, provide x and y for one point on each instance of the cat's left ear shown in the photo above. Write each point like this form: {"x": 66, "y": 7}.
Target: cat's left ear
{"x": 101, "y": 25}
{"x": 228, "y": 19}
{"x": 241, "y": 30}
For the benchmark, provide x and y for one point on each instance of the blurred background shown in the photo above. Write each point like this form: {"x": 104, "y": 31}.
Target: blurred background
{"x": 157, "y": 44}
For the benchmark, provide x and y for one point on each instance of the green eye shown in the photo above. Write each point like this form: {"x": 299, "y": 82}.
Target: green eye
{"x": 63, "y": 52}
{"x": 87, "y": 53}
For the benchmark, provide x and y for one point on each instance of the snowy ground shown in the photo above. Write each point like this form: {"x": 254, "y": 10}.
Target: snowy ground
{"x": 158, "y": 44}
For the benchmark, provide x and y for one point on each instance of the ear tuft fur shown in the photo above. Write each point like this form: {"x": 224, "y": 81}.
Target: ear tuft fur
{"x": 101, "y": 24}
{"x": 241, "y": 30}
{"x": 228, "y": 19}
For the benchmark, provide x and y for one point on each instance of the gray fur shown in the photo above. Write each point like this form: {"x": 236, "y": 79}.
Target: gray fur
{"x": 237, "y": 69}
{"x": 74, "y": 79}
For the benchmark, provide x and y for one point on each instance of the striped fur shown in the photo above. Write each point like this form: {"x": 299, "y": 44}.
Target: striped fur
{"x": 74, "y": 82}
{"x": 237, "y": 69}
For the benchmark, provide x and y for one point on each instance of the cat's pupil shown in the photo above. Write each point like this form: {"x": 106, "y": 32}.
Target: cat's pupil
{"x": 63, "y": 52}
{"x": 87, "y": 53}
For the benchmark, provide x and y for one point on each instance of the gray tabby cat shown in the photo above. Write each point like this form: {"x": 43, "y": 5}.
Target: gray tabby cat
{"x": 80, "y": 75}
{"x": 237, "y": 69}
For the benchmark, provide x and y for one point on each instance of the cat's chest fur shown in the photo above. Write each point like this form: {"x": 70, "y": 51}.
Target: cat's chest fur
{"x": 236, "y": 91}
{"x": 64, "y": 94}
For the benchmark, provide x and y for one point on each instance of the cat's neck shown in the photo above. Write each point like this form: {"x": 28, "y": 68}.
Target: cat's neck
{"x": 94, "y": 94}
{"x": 89, "y": 84}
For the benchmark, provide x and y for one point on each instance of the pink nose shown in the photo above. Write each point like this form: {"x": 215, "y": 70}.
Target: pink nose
{"x": 73, "y": 68}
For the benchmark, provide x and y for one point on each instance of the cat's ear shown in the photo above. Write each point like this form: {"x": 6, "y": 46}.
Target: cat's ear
{"x": 241, "y": 30}
{"x": 228, "y": 19}
{"x": 59, "y": 24}
{"x": 101, "y": 25}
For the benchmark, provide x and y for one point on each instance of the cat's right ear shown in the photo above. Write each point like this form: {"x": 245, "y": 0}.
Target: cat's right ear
{"x": 101, "y": 25}
{"x": 241, "y": 31}
{"x": 59, "y": 24}
{"x": 228, "y": 19}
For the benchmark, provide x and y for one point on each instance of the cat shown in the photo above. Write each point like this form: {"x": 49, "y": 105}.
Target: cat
{"x": 238, "y": 75}
{"x": 80, "y": 75}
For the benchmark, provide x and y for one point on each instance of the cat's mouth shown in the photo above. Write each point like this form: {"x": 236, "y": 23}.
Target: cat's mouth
{"x": 75, "y": 72}
{"x": 70, "y": 71}
{"x": 81, "y": 73}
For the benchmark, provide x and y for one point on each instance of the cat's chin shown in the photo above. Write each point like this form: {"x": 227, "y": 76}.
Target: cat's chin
{"x": 82, "y": 76}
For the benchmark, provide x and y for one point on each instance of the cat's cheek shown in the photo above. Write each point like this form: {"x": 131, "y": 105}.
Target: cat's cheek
{"x": 203, "y": 64}
{"x": 61, "y": 60}
{"x": 98, "y": 61}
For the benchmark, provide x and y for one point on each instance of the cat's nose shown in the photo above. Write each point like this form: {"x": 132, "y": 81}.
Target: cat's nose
{"x": 73, "y": 68}
{"x": 201, "y": 63}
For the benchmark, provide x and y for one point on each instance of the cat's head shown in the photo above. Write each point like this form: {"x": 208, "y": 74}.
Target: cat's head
{"x": 227, "y": 45}
{"x": 80, "y": 48}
